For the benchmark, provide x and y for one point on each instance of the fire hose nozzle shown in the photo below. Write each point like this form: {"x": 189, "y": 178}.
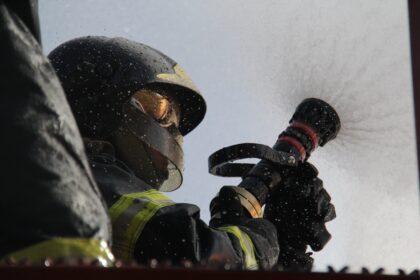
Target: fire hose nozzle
{"x": 313, "y": 124}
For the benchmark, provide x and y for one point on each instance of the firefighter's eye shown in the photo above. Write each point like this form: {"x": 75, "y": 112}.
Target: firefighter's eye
{"x": 155, "y": 105}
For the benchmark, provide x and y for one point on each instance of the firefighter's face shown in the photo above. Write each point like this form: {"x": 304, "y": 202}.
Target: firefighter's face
{"x": 147, "y": 163}
{"x": 165, "y": 110}
{"x": 160, "y": 106}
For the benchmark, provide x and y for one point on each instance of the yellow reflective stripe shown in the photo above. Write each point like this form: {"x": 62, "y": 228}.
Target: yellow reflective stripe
{"x": 246, "y": 245}
{"x": 252, "y": 260}
{"x": 118, "y": 208}
{"x": 140, "y": 220}
{"x": 130, "y": 215}
{"x": 64, "y": 248}
{"x": 122, "y": 204}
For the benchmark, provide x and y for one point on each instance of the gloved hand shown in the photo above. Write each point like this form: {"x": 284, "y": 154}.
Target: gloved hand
{"x": 299, "y": 207}
{"x": 228, "y": 208}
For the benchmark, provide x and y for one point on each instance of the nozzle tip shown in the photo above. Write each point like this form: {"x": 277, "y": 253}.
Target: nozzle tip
{"x": 319, "y": 115}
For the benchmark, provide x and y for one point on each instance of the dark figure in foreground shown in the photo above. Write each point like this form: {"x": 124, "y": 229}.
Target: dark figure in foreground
{"x": 133, "y": 105}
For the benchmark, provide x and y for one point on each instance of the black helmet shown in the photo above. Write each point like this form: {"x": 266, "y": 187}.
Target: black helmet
{"x": 99, "y": 74}
{"x": 101, "y": 77}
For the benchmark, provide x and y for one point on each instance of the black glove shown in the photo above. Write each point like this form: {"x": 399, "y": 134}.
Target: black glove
{"x": 228, "y": 208}
{"x": 299, "y": 207}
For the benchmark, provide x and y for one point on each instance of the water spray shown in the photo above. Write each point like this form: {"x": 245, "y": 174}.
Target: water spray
{"x": 313, "y": 124}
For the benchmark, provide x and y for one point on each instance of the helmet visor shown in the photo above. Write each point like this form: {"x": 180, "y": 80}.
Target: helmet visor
{"x": 161, "y": 145}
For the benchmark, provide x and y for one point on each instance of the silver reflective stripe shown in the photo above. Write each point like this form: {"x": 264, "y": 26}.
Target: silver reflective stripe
{"x": 129, "y": 216}
{"x": 246, "y": 245}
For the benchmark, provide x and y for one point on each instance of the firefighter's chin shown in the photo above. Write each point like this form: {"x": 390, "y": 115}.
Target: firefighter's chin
{"x": 146, "y": 163}
{"x": 151, "y": 166}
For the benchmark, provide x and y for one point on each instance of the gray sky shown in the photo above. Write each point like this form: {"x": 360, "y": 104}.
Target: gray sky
{"x": 254, "y": 62}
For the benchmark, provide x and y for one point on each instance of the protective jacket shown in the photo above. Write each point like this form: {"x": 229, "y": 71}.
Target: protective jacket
{"x": 50, "y": 205}
{"x": 149, "y": 225}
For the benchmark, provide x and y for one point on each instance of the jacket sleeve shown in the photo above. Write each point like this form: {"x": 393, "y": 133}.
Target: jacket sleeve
{"x": 176, "y": 233}
{"x": 50, "y": 190}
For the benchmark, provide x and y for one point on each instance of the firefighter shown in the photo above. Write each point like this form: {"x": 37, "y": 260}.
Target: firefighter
{"x": 50, "y": 206}
{"x": 133, "y": 106}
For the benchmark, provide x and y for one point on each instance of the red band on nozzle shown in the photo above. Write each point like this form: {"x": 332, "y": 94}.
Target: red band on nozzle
{"x": 295, "y": 143}
{"x": 308, "y": 131}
